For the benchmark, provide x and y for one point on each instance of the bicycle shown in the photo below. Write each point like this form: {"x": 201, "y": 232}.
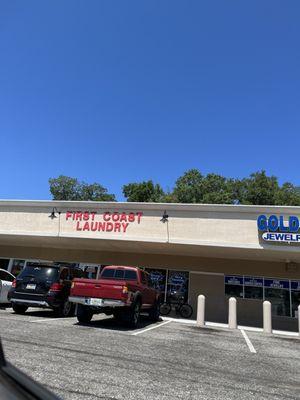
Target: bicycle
{"x": 181, "y": 308}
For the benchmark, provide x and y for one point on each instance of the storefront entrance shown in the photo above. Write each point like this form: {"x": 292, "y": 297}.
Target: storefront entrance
{"x": 173, "y": 286}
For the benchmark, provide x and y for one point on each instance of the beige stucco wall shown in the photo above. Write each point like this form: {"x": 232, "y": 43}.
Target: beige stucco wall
{"x": 187, "y": 224}
{"x": 192, "y": 234}
{"x": 212, "y": 287}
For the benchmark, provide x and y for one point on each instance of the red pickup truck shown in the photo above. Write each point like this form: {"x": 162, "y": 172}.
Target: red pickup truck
{"x": 120, "y": 291}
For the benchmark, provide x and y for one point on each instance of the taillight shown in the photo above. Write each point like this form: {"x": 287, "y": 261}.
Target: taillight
{"x": 56, "y": 287}
{"x": 125, "y": 290}
{"x": 72, "y": 285}
{"x": 14, "y": 283}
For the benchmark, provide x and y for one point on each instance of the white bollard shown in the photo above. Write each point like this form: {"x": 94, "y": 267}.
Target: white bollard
{"x": 232, "y": 320}
{"x": 201, "y": 311}
{"x": 299, "y": 319}
{"x": 267, "y": 317}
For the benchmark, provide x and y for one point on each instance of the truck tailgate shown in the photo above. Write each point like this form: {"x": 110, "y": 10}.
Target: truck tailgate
{"x": 98, "y": 288}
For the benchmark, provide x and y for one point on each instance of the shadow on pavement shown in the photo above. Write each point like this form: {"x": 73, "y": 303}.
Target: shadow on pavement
{"x": 111, "y": 323}
{"x": 38, "y": 313}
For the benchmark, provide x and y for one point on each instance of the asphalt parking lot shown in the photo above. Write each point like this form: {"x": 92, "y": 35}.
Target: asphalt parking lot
{"x": 166, "y": 360}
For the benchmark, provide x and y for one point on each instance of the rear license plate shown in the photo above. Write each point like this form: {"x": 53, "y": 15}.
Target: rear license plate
{"x": 30, "y": 286}
{"x": 96, "y": 302}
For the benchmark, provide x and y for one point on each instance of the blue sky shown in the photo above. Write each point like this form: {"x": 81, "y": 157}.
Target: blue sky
{"x": 123, "y": 91}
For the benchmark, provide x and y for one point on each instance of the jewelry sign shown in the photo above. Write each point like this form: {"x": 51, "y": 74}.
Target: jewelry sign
{"x": 103, "y": 222}
{"x": 279, "y": 228}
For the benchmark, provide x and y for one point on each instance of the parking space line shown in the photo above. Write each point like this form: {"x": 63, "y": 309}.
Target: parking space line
{"x": 248, "y": 341}
{"x": 49, "y": 319}
{"x": 151, "y": 327}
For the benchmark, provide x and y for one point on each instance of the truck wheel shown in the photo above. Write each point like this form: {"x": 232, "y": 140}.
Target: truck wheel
{"x": 154, "y": 312}
{"x": 84, "y": 314}
{"x": 19, "y": 309}
{"x": 134, "y": 315}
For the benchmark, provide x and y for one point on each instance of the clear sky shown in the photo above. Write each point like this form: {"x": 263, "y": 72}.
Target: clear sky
{"x": 118, "y": 91}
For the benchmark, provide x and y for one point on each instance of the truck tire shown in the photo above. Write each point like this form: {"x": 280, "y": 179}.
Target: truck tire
{"x": 84, "y": 314}
{"x": 134, "y": 314}
{"x": 19, "y": 308}
{"x": 154, "y": 312}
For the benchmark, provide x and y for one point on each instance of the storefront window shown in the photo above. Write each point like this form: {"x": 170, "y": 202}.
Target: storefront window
{"x": 280, "y": 301}
{"x": 173, "y": 285}
{"x": 178, "y": 286}
{"x": 4, "y": 263}
{"x": 295, "y": 297}
{"x": 234, "y": 286}
{"x": 283, "y": 294}
{"x": 253, "y": 287}
{"x": 158, "y": 279}
{"x": 277, "y": 292}
{"x": 17, "y": 267}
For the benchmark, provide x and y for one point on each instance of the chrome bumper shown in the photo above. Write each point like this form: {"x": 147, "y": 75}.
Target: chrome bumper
{"x": 96, "y": 302}
{"x": 31, "y": 302}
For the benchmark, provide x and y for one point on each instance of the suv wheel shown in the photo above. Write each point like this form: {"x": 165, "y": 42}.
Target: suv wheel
{"x": 19, "y": 308}
{"x": 65, "y": 310}
{"x": 84, "y": 314}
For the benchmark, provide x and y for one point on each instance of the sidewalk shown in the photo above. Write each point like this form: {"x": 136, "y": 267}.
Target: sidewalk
{"x": 225, "y": 326}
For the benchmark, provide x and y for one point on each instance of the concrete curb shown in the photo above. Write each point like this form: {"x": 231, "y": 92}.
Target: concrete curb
{"x": 225, "y": 326}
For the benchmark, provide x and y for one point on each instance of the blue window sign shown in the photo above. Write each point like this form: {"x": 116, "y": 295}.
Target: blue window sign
{"x": 252, "y": 281}
{"x": 295, "y": 285}
{"x": 276, "y": 284}
{"x": 233, "y": 280}
{"x": 177, "y": 279}
{"x": 156, "y": 277}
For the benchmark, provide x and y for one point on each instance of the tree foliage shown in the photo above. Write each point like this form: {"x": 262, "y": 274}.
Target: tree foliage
{"x": 191, "y": 187}
{"x": 67, "y": 188}
{"x": 145, "y": 191}
{"x": 257, "y": 189}
{"x": 260, "y": 189}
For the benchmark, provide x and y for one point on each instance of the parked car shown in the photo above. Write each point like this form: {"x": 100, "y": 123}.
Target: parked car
{"x": 46, "y": 286}
{"x": 6, "y": 280}
{"x": 120, "y": 291}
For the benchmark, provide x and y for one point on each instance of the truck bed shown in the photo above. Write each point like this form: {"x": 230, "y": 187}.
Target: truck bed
{"x": 100, "y": 288}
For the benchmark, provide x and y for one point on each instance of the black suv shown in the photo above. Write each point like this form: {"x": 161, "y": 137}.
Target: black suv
{"x": 46, "y": 286}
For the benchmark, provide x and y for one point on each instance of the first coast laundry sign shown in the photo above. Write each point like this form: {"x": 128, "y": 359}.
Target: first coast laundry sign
{"x": 104, "y": 221}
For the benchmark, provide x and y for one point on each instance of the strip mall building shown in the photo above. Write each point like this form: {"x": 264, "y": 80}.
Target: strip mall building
{"x": 250, "y": 252}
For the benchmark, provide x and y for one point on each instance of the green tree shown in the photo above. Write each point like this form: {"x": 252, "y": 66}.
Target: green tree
{"x": 260, "y": 189}
{"x": 145, "y": 192}
{"x": 95, "y": 192}
{"x": 64, "y": 188}
{"x": 288, "y": 195}
{"x": 216, "y": 190}
{"x": 189, "y": 187}
{"x": 67, "y": 188}
{"x": 169, "y": 197}
{"x": 237, "y": 190}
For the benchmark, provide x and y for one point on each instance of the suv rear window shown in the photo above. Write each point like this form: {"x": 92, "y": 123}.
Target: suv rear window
{"x": 40, "y": 272}
{"x": 126, "y": 274}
